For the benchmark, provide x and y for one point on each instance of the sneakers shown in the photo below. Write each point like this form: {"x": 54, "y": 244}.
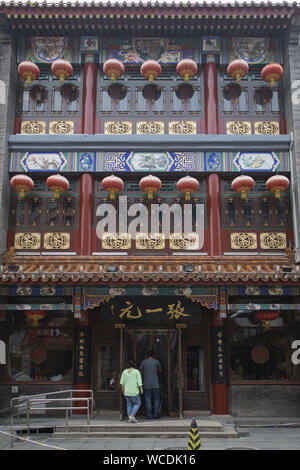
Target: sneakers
{"x": 132, "y": 419}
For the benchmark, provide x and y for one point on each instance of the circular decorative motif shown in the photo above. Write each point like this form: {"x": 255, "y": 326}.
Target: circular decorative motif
{"x": 86, "y": 161}
{"x": 38, "y": 354}
{"x": 27, "y": 240}
{"x": 260, "y": 354}
{"x": 273, "y": 240}
{"x": 253, "y": 50}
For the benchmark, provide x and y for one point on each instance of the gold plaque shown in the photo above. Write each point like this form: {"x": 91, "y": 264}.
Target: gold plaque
{"x": 116, "y": 241}
{"x": 266, "y": 127}
{"x": 150, "y": 127}
{"x": 184, "y": 241}
{"x": 33, "y": 127}
{"x": 118, "y": 127}
{"x": 273, "y": 241}
{"x": 182, "y": 127}
{"x": 150, "y": 241}
{"x": 61, "y": 127}
{"x": 56, "y": 241}
{"x": 243, "y": 241}
{"x": 238, "y": 127}
{"x": 27, "y": 241}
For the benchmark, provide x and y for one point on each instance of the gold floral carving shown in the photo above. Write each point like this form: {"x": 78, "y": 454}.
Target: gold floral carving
{"x": 61, "y": 127}
{"x": 150, "y": 127}
{"x": 182, "y": 127}
{"x": 27, "y": 241}
{"x": 116, "y": 241}
{"x": 238, "y": 127}
{"x": 243, "y": 241}
{"x": 184, "y": 241}
{"x": 273, "y": 241}
{"x": 266, "y": 127}
{"x": 33, "y": 127}
{"x": 150, "y": 241}
{"x": 56, "y": 241}
{"x": 118, "y": 127}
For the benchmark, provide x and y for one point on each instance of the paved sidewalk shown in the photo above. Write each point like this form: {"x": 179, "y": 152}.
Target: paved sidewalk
{"x": 264, "y": 434}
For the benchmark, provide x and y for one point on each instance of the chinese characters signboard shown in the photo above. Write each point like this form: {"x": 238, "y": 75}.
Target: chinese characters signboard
{"x": 219, "y": 355}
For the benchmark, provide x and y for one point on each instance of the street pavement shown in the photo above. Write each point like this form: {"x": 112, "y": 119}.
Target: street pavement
{"x": 278, "y": 434}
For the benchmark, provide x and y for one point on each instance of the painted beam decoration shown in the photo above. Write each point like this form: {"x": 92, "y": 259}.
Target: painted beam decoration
{"x": 144, "y": 161}
{"x": 133, "y": 51}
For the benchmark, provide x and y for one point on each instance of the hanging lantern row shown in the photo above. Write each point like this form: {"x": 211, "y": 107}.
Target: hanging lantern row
{"x": 30, "y": 71}
{"x": 23, "y": 184}
{"x": 266, "y": 317}
{"x": 149, "y": 184}
{"x": 275, "y": 184}
{"x": 271, "y": 73}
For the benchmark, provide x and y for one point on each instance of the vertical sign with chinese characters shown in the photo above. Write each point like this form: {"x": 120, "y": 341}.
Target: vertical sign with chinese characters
{"x": 82, "y": 354}
{"x": 219, "y": 354}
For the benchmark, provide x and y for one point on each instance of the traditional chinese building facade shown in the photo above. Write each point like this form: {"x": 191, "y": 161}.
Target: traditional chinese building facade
{"x": 219, "y": 305}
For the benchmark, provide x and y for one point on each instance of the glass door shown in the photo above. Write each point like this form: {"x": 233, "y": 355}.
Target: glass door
{"x": 164, "y": 345}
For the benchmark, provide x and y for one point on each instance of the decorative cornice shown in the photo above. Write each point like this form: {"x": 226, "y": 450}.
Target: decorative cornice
{"x": 149, "y": 269}
{"x": 148, "y": 17}
{"x": 173, "y": 143}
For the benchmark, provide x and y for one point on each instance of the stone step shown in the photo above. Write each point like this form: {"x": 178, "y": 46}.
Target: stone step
{"x": 125, "y": 428}
{"x": 229, "y": 433}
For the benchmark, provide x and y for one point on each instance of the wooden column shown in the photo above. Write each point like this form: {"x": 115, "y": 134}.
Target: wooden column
{"x": 89, "y": 96}
{"x": 86, "y": 212}
{"x": 211, "y": 95}
{"x": 86, "y": 202}
{"x": 219, "y": 365}
{"x": 214, "y": 214}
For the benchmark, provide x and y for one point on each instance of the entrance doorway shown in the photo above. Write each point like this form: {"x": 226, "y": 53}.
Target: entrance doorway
{"x": 164, "y": 343}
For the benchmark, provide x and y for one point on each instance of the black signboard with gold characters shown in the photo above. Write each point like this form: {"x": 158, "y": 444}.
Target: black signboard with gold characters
{"x": 219, "y": 355}
{"x": 140, "y": 310}
{"x": 82, "y": 354}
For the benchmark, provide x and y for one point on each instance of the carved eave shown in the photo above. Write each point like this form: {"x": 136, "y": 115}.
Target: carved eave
{"x": 149, "y": 269}
{"x": 147, "y": 18}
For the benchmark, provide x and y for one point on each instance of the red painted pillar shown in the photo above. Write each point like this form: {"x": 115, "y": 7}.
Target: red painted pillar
{"x": 86, "y": 211}
{"x": 211, "y": 95}
{"x": 89, "y": 96}
{"x": 86, "y": 201}
{"x": 214, "y": 214}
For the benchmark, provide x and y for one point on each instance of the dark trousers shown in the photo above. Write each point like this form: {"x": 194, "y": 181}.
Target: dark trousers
{"x": 152, "y": 394}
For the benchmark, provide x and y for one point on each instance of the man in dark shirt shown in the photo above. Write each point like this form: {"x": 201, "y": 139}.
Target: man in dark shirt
{"x": 150, "y": 368}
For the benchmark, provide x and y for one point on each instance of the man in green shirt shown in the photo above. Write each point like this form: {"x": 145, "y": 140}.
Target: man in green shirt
{"x": 132, "y": 385}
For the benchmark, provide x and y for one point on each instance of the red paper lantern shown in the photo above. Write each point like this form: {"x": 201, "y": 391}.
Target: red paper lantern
{"x": 150, "y": 184}
{"x": 237, "y": 69}
{"x": 151, "y": 70}
{"x": 187, "y": 185}
{"x": 271, "y": 73}
{"x": 277, "y": 183}
{"x": 22, "y": 184}
{"x": 58, "y": 184}
{"x": 113, "y": 68}
{"x": 266, "y": 317}
{"x": 28, "y": 71}
{"x": 242, "y": 184}
{"x": 62, "y": 69}
{"x": 112, "y": 184}
{"x": 186, "y": 69}
{"x": 35, "y": 316}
